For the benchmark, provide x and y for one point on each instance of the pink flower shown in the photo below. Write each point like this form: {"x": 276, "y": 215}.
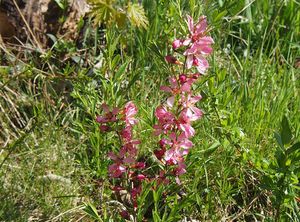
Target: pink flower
{"x": 179, "y": 142}
{"x": 130, "y": 147}
{"x": 181, "y": 169}
{"x": 177, "y": 44}
{"x": 184, "y": 124}
{"x": 116, "y": 170}
{"x": 126, "y": 133}
{"x": 140, "y": 165}
{"x": 177, "y": 87}
{"x": 130, "y": 111}
{"x": 200, "y": 45}
{"x": 191, "y": 112}
{"x": 141, "y": 177}
{"x": 173, "y": 156}
{"x": 159, "y": 153}
{"x": 179, "y": 147}
{"x": 196, "y": 31}
{"x": 166, "y": 120}
{"x": 198, "y": 61}
{"x": 173, "y": 88}
{"x": 117, "y": 188}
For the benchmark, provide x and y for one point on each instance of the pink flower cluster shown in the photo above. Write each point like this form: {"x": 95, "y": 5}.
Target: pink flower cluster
{"x": 125, "y": 165}
{"x": 175, "y": 117}
{"x": 198, "y": 44}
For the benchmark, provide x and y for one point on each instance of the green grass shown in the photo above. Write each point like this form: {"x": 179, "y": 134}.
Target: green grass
{"x": 48, "y": 117}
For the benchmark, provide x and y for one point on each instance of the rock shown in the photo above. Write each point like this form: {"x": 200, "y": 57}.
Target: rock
{"x": 7, "y": 29}
{"x": 43, "y": 17}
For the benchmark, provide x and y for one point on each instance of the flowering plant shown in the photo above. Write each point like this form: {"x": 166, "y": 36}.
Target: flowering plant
{"x": 174, "y": 126}
{"x": 175, "y": 117}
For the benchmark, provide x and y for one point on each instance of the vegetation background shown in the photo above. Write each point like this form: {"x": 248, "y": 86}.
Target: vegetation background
{"x": 245, "y": 163}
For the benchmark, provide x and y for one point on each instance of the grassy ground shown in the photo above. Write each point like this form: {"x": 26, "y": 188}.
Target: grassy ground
{"x": 53, "y": 163}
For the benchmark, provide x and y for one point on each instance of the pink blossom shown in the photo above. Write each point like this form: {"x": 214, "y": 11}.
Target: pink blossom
{"x": 141, "y": 177}
{"x": 197, "y": 31}
{"x": 135, "y": 192}
{"x": 177, "y": 44}
{"x": 126, "y": 133}
{"x": 198, "y": 61}
{"x": 130, "y": 111}
{"x": 179, "y": 142}
{"x": 184, "y": 124}
{"x": 182, "y": 85}
{"x": 181, "y": 169}
{"x": 116, "y": 170}
{"x": 130, "y": 148}
{"x": 179, "y": 148}
{"x": 173, "y": 156}
{"x": 159, "y": 153}
{"x": 166, "y": 120}
{"x": 200, "y": 45}
{"x": 140, "y": 165}
{"x": 173, "y": 88}
{"x": 191, "y": 112}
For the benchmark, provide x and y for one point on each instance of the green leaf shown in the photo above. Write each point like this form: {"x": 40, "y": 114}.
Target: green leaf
{"x": 279, "y": 140}
{"x": 133, "y": 80}
{"x": 102, "y": 10}
{"x": 136, "y": 15}
{"x": 212, "y": 148}
{"x": 121, "y": 71}
{"x": 156, "y": 217}
{"x": 219, "y": 16}
{"x": 115, "y": 61}
{"x": 286, "y": 133}
{"x": 293, "y": 148}
{"x": 63, "y": 4}
{"x": 91, "y": 210}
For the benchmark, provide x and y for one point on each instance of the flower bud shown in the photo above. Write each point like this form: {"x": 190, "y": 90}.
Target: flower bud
{"x": 140, "y": 165}
{"x": 182, "y": 78}
{"x": 196, "y": 62}
{"x": 124, "y": 214}
{"x": 141, "y": 177}
{"x": 159, "y": 153}
{"x": 176, "y": 44}
{"x": 171, "y": 59}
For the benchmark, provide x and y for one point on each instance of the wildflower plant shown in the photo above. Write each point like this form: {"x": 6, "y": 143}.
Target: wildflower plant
{"x": 175, "y": 117}
{"x": 174, "y": 125}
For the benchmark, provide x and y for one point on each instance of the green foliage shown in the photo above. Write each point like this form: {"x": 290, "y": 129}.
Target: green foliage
{"x": 113, "y": 12}
{"x": 282, "y": 176}
{"x": 237, "y": 171}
